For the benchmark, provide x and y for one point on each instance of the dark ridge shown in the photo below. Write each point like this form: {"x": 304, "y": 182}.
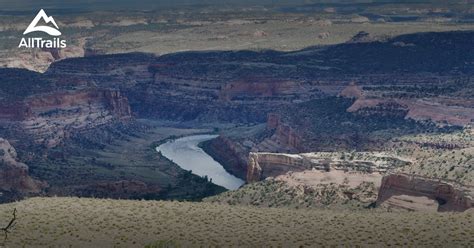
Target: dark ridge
{"x": 441, "y": 53}
{"x": 434, "y": 52}
{"x": 19, "y": 83}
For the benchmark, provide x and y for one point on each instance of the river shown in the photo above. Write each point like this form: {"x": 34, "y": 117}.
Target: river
{"x": 186, "y": 153}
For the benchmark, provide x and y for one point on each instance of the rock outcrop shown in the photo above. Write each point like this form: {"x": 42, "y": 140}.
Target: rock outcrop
{"x": 284, "y": 138}
{"x": 14, "y": 175}
{"x": 263, "y": 165}
{"x": 117, "y": 103}
{"x": 449, "y": 195}
{"x": 352, "y": 91}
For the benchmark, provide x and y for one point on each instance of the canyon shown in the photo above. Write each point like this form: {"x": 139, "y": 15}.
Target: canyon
{"x": 238, "y": 123}
{"x": 245, "y": 86}
{"x": 339, "y": 98}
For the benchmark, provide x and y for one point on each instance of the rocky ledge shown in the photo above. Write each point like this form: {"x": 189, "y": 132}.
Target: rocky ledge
{"x": 262, "y": 165}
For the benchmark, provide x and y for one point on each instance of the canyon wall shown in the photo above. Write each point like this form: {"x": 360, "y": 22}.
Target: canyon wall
{"x": 117, "y": 71}
{"x": 14, "y": 175}
{"x": 262, "y": 165}
{"x": 261, "y": 89}
{"x": 48, "y": 118}
{"x": 112, "y": 100}
{"x": 244, "y": 86}
{"x": 284, "y": 138}
{"x": 449, "y": 195}
{"x": 233, "y": 87}
{"x": 434, "y": 110}
{"x": 15, "y": 111}
{"x": 231, "y": 155}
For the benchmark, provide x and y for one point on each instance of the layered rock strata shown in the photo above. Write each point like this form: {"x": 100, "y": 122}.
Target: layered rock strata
{"x": 263, "y": 165}
{"x": 48, "y": 118}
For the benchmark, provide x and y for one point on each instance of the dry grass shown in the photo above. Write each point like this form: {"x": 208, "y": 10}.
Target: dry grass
{"x": 278, "y": 193}
{"x": 74, "y": 222}
{"x": 282, "y": 35}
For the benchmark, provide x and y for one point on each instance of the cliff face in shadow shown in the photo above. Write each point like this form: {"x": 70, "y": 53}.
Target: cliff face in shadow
{"x": 15, "y": 180}
{"x": 231, "y": 155}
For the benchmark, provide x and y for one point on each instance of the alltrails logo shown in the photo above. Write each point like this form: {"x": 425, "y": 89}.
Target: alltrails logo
{"x": 37, "y": 42}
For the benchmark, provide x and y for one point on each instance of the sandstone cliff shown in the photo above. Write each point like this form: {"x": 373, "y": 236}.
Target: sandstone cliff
{"x": 284, "y": 138}
{"x": 262, "y": 165}
{"x": 13, "y": 174}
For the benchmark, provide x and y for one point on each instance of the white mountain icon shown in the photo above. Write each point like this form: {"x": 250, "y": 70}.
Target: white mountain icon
{"x": 47, "y": 19}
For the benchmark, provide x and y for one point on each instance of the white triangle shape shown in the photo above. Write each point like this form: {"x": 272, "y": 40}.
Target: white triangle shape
{"x": 47, "y": 19}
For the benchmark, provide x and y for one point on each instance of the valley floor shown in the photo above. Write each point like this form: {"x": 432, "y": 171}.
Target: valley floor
{"x": 85, "y": 222}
